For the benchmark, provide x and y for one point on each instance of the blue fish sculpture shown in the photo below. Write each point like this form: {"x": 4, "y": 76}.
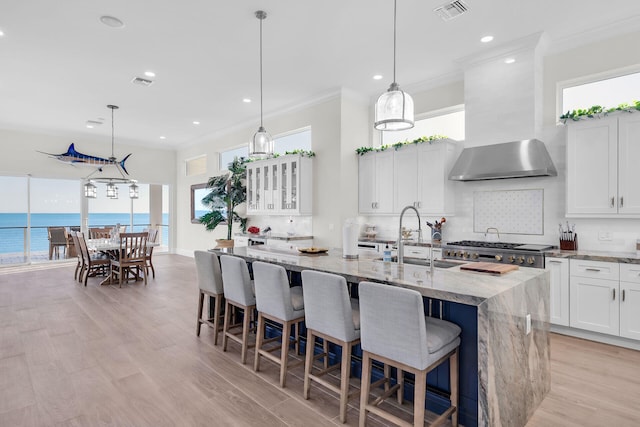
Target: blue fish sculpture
{"x": 77, "y": 158}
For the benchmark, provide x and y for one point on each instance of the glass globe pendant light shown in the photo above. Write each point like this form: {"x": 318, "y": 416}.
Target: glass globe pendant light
{"x": 394, "y": 108}
{"x": 261, "y": 146}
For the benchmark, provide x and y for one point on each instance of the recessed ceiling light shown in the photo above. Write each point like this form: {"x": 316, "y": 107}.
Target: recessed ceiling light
{"x": 246, "y": 100}
{"x": 90, "y": 126}
{"x": 149, "y": 74}
{"x": 195, "y": 122}
{"x": 163, "y": 137}
{"x": 509, "y": 61}
{"x": 1, "y": 33}
{"x": 377, "y": 77}
{"x": 111, "y": 21}
{"x": 486, "y": 39}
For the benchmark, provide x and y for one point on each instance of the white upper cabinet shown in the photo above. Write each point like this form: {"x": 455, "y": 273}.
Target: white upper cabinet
{"x": 421, "y": 177}
{"x": 375, "y": 183}
{"x": 602, "y": 172}
{"x": 280, "y": 186}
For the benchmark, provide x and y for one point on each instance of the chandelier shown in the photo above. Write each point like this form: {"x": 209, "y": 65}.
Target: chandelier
{"x": 90, "y": 189}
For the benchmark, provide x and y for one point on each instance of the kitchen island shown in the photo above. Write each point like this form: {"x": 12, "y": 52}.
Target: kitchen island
{"x": 504, "y": 371}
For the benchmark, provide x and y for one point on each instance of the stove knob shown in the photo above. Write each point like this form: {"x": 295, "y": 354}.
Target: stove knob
{"x": 520, "y": 260}
{"x": 498, "y": 257}
{"x": 475, "y": 255}
{"x": 460, "y": 254}
{"x": 512, "y": 258}
{"x": 530, "y": 260}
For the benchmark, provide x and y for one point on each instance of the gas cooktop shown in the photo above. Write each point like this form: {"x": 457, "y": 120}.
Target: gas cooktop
{"x": 500, "y": 245}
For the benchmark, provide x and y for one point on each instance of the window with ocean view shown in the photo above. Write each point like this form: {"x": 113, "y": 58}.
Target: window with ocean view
{"x": 13, "y": 219}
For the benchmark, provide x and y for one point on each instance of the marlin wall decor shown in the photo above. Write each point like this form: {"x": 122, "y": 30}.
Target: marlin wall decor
{"x": 77, "y": 158}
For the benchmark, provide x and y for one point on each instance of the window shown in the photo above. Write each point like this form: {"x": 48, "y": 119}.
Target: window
{"x": 449, "y": 122}
{"x": 196, "y": 166}
{"x": 296, "y": 140}
{"x": 605, "y": 90}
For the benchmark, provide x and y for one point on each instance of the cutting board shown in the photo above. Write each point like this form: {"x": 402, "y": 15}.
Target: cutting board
{"x": 489, "y": 267}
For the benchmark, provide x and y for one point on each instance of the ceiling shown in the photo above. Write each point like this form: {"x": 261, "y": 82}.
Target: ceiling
{"x": 60, "y": 66}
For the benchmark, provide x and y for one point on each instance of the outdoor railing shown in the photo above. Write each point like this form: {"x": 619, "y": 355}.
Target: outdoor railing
{"x": 17, "y": 248}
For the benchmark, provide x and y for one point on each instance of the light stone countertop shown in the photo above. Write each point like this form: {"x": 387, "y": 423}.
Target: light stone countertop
{"x": 275, "y": 236}
{"x": 619, "y": 257}
{"x": 447, "y": 284}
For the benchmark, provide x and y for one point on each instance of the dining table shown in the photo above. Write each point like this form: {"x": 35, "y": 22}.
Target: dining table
{"x": 111, "y": 248}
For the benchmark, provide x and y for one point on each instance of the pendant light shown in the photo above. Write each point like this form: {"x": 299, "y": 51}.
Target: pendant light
{"x": 394, "y": 108}
{"x": 90, "y": 190}
{"x": 112, "y": 190}
{"x": 261, "y": 146}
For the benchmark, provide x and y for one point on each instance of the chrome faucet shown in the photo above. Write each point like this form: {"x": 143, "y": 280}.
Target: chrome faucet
{"x": 400, "y": 243}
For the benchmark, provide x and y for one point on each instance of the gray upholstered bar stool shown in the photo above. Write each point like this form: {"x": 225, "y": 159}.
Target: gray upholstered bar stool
{"x": 238, "y": 293}
{"x": 395, "y": 331}
{"x": 333, "y": 316}
{"x": 209, "y": 283}
{"x": 279, "y": 303}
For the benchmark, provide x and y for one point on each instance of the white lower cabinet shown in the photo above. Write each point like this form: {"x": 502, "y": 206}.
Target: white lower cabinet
{"x": 630, "y": 301}
{"x": 559, "y": 290}
{"x": 594, "y": 305}
{"x": 605, "y": 298}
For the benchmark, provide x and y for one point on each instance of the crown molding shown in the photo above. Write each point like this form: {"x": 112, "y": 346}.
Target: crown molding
{"x": 517, "y": 46}
{"x": 592, "y": 35}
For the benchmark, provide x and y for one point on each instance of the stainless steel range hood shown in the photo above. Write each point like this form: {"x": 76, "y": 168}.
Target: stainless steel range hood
{"x": 517, "y": 159}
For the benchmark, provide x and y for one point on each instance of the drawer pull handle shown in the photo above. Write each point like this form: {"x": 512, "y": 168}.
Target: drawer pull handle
{"x": 621, "y": 201}
{"x": 613, "y": 200}
{"x": 592, "y": 269}
{"x": 614, "y": 294}
{"x": 560, "y": 262}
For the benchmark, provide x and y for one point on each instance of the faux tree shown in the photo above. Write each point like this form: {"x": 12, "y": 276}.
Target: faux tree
{"x": 226, "y": 193}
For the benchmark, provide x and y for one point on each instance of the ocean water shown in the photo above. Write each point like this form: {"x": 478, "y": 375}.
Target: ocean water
{"x": 13, "y": 226}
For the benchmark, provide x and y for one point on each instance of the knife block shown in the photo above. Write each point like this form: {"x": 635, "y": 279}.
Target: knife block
{"x": 569, "y": 245}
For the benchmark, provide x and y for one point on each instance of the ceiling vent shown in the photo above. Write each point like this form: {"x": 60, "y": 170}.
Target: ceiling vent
{"x": 142, "y": 82}
{"x": 448, "y": 11}
{"x": 93, "y": 123}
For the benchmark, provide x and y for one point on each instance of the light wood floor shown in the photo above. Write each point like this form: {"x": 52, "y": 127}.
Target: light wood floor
{"x": 76, "y": 356}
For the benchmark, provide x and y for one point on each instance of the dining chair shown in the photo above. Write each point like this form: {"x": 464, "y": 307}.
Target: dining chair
{"x": 92, "y": 263}
{"x": 131, "y": 255}
{"x": 99, "y": 233}
{"x": 153, "y": 237}
{"x": 57, "y": 239}
{"x": 79, "y": 255}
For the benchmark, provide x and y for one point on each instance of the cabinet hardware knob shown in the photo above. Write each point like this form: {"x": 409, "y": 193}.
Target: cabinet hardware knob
{"x": 613, "y": 201}
{"x": 623, "y": 295}
{"x": 621, "y": 201}
{"x": 614, "y": 294}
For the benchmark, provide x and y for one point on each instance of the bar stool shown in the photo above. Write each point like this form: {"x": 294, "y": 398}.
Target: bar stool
{"x": 395, "y": 331}
{"x": 279, "y": 303}
{"x": 209, "y": 283}
{"x": 333, "y": 316}
{"x": 238, "y": 292}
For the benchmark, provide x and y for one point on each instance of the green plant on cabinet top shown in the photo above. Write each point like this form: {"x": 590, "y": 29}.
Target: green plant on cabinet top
{"x": 597, "y": 111}
{"x": 362, "y": 150}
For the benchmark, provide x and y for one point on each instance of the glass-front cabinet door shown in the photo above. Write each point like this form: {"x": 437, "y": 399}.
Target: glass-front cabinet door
{"x": 290, "y": 184}
{"x": 270, "y": 186}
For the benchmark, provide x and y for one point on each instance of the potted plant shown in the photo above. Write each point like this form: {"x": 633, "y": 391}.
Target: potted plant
{"x": 226, "y": 193}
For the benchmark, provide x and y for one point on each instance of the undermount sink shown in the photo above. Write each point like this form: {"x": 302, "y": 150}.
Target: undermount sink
{"x": 438, "y": 263}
